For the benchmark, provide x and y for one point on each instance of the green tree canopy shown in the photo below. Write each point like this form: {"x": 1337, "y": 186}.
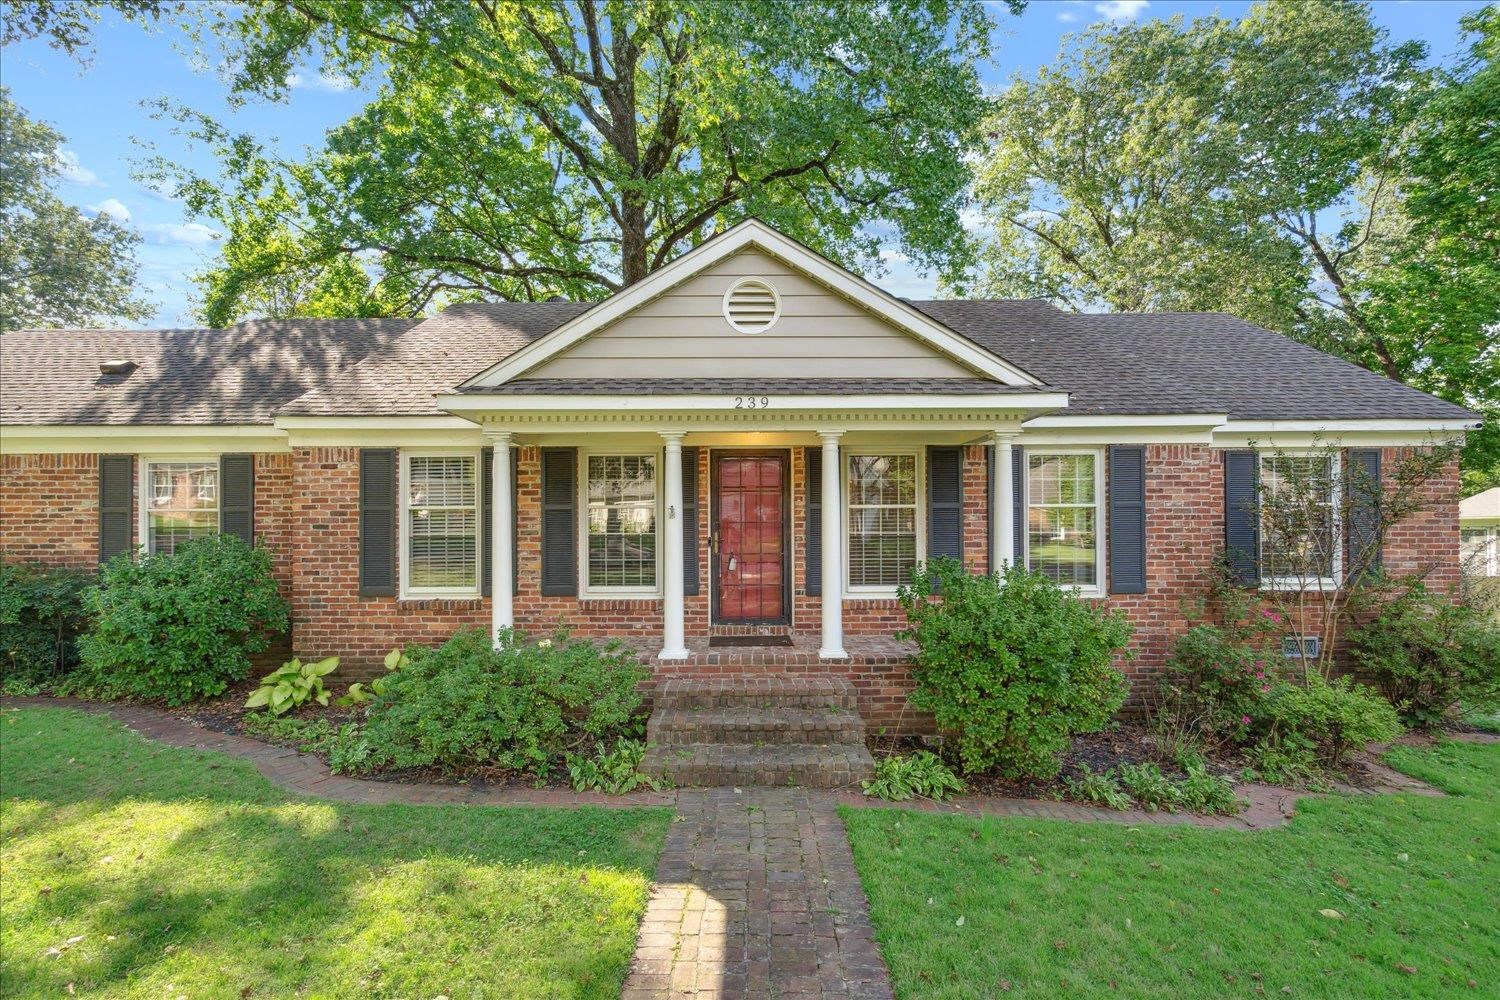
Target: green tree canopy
{"x": 522, "y": 150}
{"x": 57, "y": 268}
{"x": 1292, "y": 168}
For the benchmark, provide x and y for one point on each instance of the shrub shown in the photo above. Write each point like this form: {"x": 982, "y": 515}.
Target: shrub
{"x": 923, "y": 773}
{"x": 180, "y": 626}
{"x": 1287, "y": 761}
{"x": 519, "y": 706}
{"x": 293, "y": 685}
{"x": 1214, "y": 684}
{"x": 613, "y": 772}
{"x": 1011, "y": 667}
{"x": 1333, "y": 717}
{"x": 1101, "y": 788}
{"x": 1207, "y": 793}
{"x": 1428, "y": 653}
{"x": 41, "y": 612}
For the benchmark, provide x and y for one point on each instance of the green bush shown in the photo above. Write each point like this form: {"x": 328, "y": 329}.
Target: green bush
{"x": 923, "y": 773}
{"x": 1427, "y": 654}
{"x": 1289, "y": 761}
{"x": 41, "y": 612}
{"x": 1011, "y": 667}
{"x": 613, "y": 772}
{"x": 520, "y": 706}
{"x": 1334, "y": 717}
{"x": 181, "y": 626}
{"x": 1214, "y": 684}
{"x": 1206, "y": 793}
{"x": 1152, "y": 789}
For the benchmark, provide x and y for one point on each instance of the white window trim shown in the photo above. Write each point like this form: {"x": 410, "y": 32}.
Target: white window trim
{"x": 143, "y": 492}
{"x": 845, "y": 457}
{"x": 1101, "y": 514}
{"x": 404, "y": 534}
{"x": 1297, "y": 583}
{"x": 585, "y": 591}
{"x": 1489, "y": 564}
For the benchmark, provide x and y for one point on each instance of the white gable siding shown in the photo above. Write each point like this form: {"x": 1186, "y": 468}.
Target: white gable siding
{"x": 683, "y": 334}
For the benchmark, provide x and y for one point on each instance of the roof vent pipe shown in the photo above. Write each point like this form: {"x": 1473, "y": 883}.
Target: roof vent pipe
{"x": 117, "y": 367}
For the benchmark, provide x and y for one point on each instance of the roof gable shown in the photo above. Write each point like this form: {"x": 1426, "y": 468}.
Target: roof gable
{"x": 673, "y": 325}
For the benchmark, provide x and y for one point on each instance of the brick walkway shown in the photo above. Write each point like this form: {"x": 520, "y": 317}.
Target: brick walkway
{"x": 757, "y": 896}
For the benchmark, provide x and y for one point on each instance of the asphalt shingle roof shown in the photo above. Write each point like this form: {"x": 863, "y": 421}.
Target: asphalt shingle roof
{"x": 1136, "y": 363}
{"x": 238, "y": 375}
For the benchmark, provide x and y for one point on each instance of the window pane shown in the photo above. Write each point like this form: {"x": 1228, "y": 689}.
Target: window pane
{"x": 183, "y": 503}
{"x": 882, "y": 519}
{"x": 622, "y": 520}
{"x": 443, "y": 521}
{"x": 1298, "y": 537}
{"x": 1062, "y": 518}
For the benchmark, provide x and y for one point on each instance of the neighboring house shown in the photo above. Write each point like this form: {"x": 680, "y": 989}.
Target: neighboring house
{"x": 1479, "y": 533}
{"x": 713, "y": 452}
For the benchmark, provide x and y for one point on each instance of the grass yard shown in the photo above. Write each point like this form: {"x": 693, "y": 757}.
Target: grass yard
{"x": 1002, "y": 907}
{"x": 132, "y": 869}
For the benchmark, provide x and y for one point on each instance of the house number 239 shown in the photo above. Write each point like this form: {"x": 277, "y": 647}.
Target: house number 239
{"x": 752, "y": 402}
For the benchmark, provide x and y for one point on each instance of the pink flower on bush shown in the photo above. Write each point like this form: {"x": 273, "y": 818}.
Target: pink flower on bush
{"x": 1264, "y": 688}
{"x": 1273, "y": 616}
{"x": 1244, "y": 720}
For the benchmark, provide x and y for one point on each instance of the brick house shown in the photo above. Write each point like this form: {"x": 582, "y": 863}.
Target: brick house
{"x": 708, "y": 455}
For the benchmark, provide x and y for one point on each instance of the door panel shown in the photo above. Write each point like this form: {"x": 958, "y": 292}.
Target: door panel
{"x": 750, "y": 507}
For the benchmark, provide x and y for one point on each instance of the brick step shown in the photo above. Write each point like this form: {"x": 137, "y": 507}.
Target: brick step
{"x": 755, "y": 691}
{"x": 803, "y": 764}
{"x": 754, "y": 726}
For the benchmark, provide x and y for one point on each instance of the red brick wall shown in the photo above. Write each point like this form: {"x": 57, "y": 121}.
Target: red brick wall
{"x": 49, "y": 509}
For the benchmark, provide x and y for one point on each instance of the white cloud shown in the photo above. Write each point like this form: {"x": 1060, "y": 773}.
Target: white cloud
{"x": 1067, "y": 16}
{"x": 192, "y": 234}
{"x": 113, "y": 208}
{"x": 74, "y": 172}
{"x": 1122, "y": 10}
{"x": 323, "y": 81}
{"x": 894, "y": 257}
{"x": 160, "y": 189}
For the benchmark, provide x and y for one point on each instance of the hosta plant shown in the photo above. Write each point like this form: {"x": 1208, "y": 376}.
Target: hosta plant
{"x": 923, "y": 773}
{"x": 613, "y": 772}
{"x": 293, "y": 685}
{"x": 1100, "y": 788}
{"x": 358, "y": 694}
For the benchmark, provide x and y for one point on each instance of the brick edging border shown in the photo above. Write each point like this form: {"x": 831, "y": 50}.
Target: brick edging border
{"x": 1270, "y": 806}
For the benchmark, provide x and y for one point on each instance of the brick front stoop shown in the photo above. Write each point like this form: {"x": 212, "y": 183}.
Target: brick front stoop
{"x": 756, "y": 894}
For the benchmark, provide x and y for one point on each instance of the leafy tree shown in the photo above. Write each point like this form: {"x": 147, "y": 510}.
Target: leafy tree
{"x": 1292, "y": 168}
{"x": 522, "y": 150}
{"x": 57, "y": 268}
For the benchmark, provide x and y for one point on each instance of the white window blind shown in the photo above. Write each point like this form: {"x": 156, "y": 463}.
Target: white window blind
{"x": 622, "y": 521}
{"x": 1062, "y": 518}
{"x": 184, "y": 503}
{"x": 442, "y": 522}
{"x": 1300, "y": 545}
{"x": 882, "y": 504}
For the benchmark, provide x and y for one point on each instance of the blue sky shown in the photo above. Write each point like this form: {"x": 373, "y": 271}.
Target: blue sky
{"x": 99, "y": 108}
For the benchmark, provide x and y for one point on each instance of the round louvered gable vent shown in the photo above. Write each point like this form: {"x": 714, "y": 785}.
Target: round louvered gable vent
{"x": 751, "y": 305}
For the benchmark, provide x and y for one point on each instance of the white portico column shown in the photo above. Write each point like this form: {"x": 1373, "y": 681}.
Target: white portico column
{"x": 674, "y": 645}
{"x": 502, "y": 574}
{"x": 1003, "y": 510}
{"x": 832, "y": 647}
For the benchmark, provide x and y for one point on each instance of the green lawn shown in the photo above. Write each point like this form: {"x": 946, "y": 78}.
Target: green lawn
{"x": 133, "y": 869}
{"x": 985, "y": 908}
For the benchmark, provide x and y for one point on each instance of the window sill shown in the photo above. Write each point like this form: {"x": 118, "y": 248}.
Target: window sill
{"x": 1296, "y": 586}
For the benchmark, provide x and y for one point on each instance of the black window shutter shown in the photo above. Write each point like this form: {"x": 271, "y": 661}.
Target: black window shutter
{"x": 1242, "y": 515}
{"x": 237, "y": 496}
{"x": 1364, "y": 507}
{"x": 116, "y": 485}
{"x": 560, "y": 522}
{"x": 486, "y": 521}
{"x": 1018, "y": 501}
{"x": 377, "y": 522}
{"x": 690, "y": 520}
{"x": 945, "y": 503}
{"x": 813, "y": 460}
{"x": 1127, "y": 519}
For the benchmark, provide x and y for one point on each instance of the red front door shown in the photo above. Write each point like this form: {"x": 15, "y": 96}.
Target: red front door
{"x": 750, "y": 505}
